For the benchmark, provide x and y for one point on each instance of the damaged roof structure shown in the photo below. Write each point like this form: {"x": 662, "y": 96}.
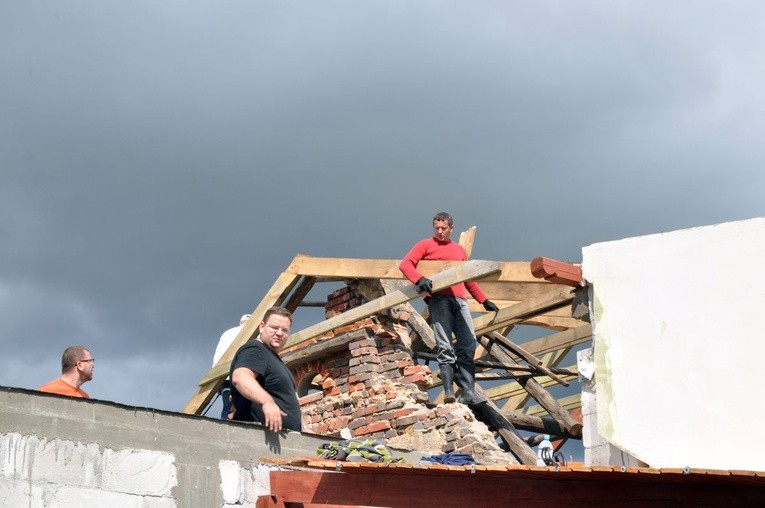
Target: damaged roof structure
{"x": 648, "y": 395}
{"x": 376, "y": 297}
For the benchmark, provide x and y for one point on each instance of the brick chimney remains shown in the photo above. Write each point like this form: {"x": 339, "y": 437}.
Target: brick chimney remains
{"x": 367, "y": 385}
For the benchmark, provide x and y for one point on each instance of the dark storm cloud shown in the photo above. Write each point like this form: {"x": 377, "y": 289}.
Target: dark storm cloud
{"x": 162, "y": 163}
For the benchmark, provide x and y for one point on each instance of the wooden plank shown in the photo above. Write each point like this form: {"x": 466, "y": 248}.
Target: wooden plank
{"x": 323, "y": 348}
{"x": 520, "y": 311}
{"x": 357, "y": 268}
{"x": 516, "y": 291}
{"x": 466, "y": 271}
{"x": 212, "y": 380}
{"x": 467, "y": 238}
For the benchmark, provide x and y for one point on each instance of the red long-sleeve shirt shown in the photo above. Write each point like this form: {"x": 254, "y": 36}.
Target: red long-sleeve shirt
{"x": 432, "y": 249}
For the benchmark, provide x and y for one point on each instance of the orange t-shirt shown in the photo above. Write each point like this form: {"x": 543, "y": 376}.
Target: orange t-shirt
{"x": 61, "y": 387}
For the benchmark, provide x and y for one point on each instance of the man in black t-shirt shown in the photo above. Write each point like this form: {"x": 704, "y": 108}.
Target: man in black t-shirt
{"x": 262, "y": 387}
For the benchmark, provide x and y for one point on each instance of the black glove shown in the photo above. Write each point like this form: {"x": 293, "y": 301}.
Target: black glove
{"x": 488, "y": 305}
{"x": 425, "y": 285}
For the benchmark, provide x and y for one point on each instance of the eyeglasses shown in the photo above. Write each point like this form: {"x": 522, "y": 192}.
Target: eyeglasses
{"x": 91, "y": 360}
{"x": 274, "y": 329}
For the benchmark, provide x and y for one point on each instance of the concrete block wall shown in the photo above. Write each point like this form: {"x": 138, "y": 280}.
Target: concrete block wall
{"x": 63, "y": 452}
{"x": 63, "y": 473}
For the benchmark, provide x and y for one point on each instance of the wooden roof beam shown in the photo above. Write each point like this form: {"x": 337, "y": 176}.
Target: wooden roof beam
{"x": 521, "y": 311}
{"x": 356, "y": 268}
{"x": 209, "y": 384}
{"x": 469, "y": 270}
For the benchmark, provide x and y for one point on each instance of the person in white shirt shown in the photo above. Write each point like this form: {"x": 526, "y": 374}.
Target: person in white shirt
{"x": 223, "y": 344}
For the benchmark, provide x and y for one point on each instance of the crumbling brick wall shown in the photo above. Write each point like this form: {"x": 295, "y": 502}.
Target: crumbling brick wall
{"x": 374, "y": 389}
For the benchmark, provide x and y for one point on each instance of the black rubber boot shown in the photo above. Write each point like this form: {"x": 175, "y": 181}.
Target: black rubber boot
{"x": 466, "y": 383}
{"x": 446, "y": 372}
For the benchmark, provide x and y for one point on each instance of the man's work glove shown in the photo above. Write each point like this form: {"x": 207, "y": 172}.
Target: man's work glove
{"x": 488, "y": 305}
{"x": 424, "y": 285}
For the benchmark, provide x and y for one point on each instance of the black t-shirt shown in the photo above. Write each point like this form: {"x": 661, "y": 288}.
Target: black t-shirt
{"x": 274, "y": 376}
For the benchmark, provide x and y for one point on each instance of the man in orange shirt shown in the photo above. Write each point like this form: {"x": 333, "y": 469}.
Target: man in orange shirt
{"x": 76, "y": 370}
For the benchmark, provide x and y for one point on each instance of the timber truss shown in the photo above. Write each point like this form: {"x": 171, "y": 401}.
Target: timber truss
{"x": 541, "y": 294}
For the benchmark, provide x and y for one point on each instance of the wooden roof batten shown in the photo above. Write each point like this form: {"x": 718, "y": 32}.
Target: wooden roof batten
{"x": 523, "y": 297}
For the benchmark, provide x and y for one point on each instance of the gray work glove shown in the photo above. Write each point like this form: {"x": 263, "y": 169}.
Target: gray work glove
{"x": 489, "y": 305}
{"x": 424, "y": 285}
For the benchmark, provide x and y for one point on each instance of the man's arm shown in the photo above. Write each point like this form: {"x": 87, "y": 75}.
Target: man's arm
{"x": 246, "y": 383}
{"x": 409, "y": 263}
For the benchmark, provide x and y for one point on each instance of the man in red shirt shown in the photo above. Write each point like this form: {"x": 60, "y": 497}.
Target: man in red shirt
{"x": 76, "y": 370}
{"x": 449, "y": 310}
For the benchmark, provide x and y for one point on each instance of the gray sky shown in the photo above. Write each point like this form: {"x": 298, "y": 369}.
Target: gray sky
{"x": 163, "y": 162}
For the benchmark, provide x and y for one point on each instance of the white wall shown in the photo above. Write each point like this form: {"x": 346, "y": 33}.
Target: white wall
{"x": 679, "y": 345}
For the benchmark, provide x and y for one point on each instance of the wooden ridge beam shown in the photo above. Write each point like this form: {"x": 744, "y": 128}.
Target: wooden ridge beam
{"x": 359, "y": 268}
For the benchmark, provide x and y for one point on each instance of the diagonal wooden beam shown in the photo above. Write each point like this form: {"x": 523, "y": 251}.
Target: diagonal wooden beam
{"x": 212, "y": 380}
{"x": 536, "y": 390}
{"x": 302, "y": 290}
{"x": 521, "y": 311}
{"x": 469, "y": 270}
{"x": 490, "y": 413}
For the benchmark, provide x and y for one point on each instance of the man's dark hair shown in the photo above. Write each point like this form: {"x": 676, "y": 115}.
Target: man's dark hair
{"x": 278, "y": 311}
{"x": 71, "y": 356}
{"x": 444, "y": 216}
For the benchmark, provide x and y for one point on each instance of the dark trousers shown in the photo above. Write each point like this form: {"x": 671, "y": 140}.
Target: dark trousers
{"x": 225, "y": 396}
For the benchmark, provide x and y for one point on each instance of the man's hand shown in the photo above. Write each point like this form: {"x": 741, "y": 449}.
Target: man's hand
{"x": 273, "y": 415}
{"x": 489, "y": 305}
{"x": 425, "y": 285}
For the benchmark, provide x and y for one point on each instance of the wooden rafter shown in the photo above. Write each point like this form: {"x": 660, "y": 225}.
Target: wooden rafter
{"x": 210, "y": 384}
{"x": 301, "y": 291}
